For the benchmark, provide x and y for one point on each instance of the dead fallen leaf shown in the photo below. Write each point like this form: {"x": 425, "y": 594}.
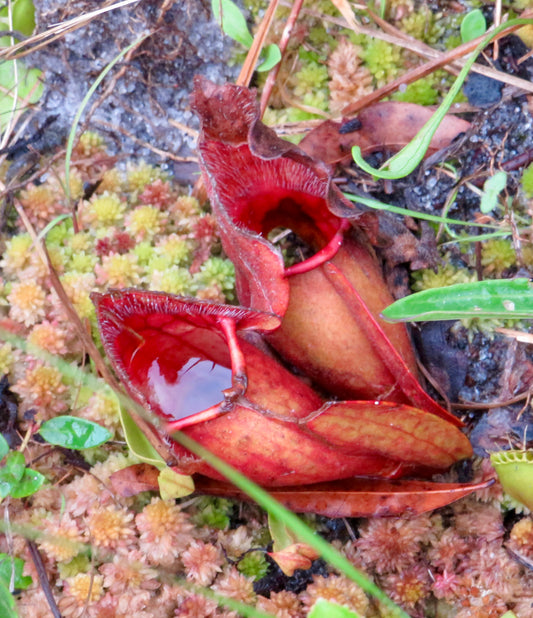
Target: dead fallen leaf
{"x": 357, "y": 497}
{"x": 388, "y": 125}
{"x": 133, "y": 480}
{"x": 297, "y": 556}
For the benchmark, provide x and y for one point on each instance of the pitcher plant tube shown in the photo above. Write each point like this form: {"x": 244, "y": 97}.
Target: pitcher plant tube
{"x": 330, "y": 302}
{"x": 177, "y": 358}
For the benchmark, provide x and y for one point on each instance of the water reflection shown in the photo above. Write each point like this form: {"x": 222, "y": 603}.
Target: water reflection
{"x": 198, "y": 386}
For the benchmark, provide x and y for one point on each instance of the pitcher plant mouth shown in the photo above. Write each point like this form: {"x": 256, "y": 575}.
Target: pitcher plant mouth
{"x": 258, "y": 182}
{"x": 188, "y": 364}
{"x": 184, "y": 375}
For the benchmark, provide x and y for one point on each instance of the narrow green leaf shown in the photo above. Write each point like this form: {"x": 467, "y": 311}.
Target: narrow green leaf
{"x": 492, "y": 188}
{"x": 281, "y": 534}
{"x": 15, "y": 465}
{"x": 74, "y": 433}
{"x": 30, "y": 482}
{"x": 4, "y": 447}
{"x": 327, "y": 609}
{"x": 271, "y": 57}
{"x": 7, "y": 602}
{"x": 473, "y": 25}
{"x": 499, "y": 298}
{"x": 405, "y": 161}
{"x": 231, "y": 20}
{"x": 377, "y": 205}
{"x": 83, "y": 105}
{"x": 11, "y": 572}
{"x": 138, "y": 443}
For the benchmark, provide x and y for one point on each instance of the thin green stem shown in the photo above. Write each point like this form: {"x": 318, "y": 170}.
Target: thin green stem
{"x": 405, "y": 161}
{"x": 85, "y": 101}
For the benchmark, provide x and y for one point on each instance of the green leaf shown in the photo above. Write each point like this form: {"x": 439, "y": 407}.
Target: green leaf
{"x": 405, "y": 161}
{"x": 30, "y": 482}
{"x": 11, "y": 572}
{"x": 499, "y": 298}
{"x": 377, "y": 205}
{"x": 281, "y": 534}
{"x": 231, "y": 20}
{"x": 173, "y": 485}
{"x": 6, "y": 483}
{"x": 4, "y": 447}
{"x": 138, "y": 443}
{"x": 473, "y": 25}
{"x": 271, "y": 55}
{"x": 7, "y": 602}
{"x": 326, "y": 609}
{"x": 29, "y": 84}
{"x": 23, "y": 13}
{"x": 15, "y": 465}
{"x": 492, "y": 188}
{"x": 74, "y": 433}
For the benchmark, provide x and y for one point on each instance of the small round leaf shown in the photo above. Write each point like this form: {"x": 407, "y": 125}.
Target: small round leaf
{"x": 7, "y": 602}
{"x": 4, "y": 447}
{"x": 31, "y": 481}
{"x": 74, "y": 433}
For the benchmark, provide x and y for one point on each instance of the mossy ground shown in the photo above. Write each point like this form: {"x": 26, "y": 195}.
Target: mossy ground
{"x": 136, "y": 224}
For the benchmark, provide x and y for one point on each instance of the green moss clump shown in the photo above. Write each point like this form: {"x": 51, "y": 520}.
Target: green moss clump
{"x": 445, "y": 275}
{"x": 382, "y": 59}
{"x": 78, "y": 564}
{"x": 253, "y": 564}
{"x": 213, "y": 512}
{"x": 527, "y": 181}
{"x": 497, "y": 255}
{"x": 422, "y": 25}
{"x": 421, "y": 92}
{"x": 218, "y": 272}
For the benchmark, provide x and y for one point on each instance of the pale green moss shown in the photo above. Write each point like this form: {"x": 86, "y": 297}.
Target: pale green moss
{"x": 220, "y": 272}
{"x": 445, "y": 275}
{"x": 421, "y": 25}
{"x": 108, "y": 209}
{"x": 60, "y": 233}
{"x": 382, "y": 59}
{"x": 253, "y": 564}
{"x": 78, "y": 564}
{"x": 213, "y": 512}
{"x": 527, "y": 181}
{"x": 175, "y": 248}
{"x": 141, "y": 174}
{"x": 82, "y": 262}
{"x": 90, "y": 143}
{"x": 421, "y": 92}
{"x": 144, "y": 252}
{"x": 497, "y": 255}
{"x": 172, "y": 280}
{"x": 7, "y": 358}
{"x": 17, "y": 253}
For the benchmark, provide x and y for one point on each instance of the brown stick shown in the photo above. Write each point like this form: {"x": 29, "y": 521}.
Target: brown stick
{"x": 419, "y": 72}
{"x": 283, "y": 42}
{"x": 248, "y": 67}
